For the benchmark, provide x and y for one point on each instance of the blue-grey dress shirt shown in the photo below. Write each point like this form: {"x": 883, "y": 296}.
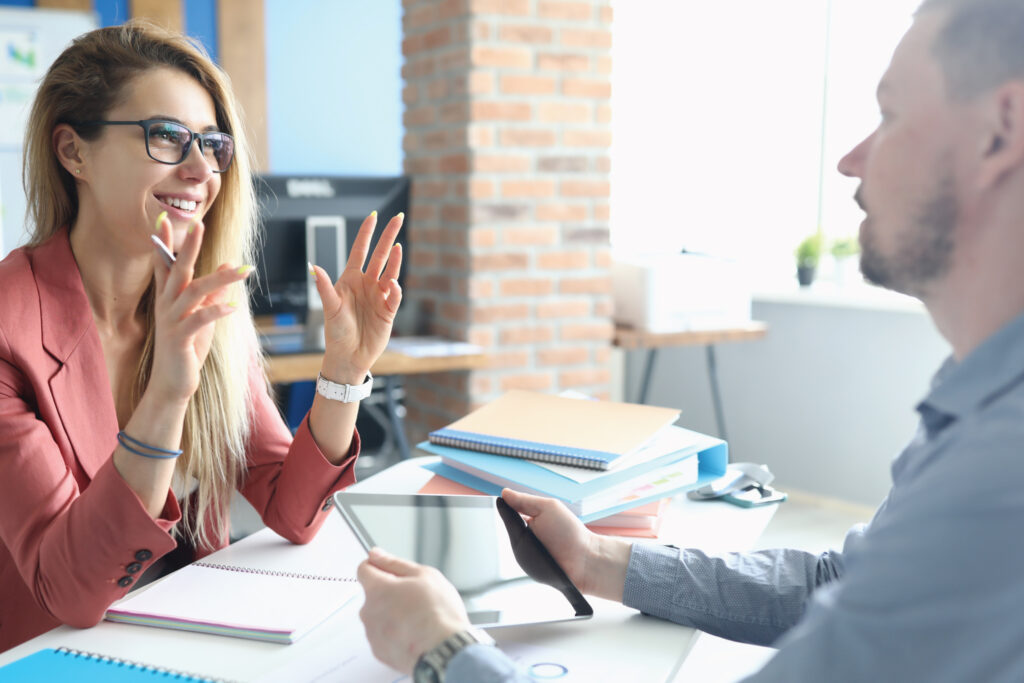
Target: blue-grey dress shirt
{"x": 932, "y": 589}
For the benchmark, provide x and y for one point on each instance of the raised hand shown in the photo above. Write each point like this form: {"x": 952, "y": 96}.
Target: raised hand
{"x": 359, "y": 309}
{"x": 186, "y": 309}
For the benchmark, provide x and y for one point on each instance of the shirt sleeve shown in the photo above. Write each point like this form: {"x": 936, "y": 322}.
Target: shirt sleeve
{"x": 484, "y": 664}
{"x": 748, "y": 597}
{"x": 934, "y": 592}
{"x": 289, "y": 480}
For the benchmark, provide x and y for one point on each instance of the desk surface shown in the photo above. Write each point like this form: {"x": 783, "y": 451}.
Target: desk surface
{"x": 296, "y": 367}
{"x": 337, "y": 649}
{"x": 291, "y": 362}
{"x": 631, "y": 338}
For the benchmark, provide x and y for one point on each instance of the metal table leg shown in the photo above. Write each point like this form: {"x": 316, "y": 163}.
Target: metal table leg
{"x": 397, "y": 424}
{"x": 645, "y": 383}
{"x": 716, "y": 396}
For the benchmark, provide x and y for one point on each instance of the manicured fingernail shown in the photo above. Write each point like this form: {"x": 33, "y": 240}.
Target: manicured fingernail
{"x": 401, "y": 215}
{"x": 159, "y": 220}
{"x": 233, "y": 304}
{"x": 312, "y": 271}
{"x": 191, "y": 227}
{"x": 244, "y": 270}
{"x": 374, "y": 213}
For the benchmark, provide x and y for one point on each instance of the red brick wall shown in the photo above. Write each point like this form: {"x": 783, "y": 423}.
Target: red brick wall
{"x": 507, "y": 141}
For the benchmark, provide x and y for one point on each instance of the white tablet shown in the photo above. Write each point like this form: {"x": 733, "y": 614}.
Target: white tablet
{"x": 504, "y": 574}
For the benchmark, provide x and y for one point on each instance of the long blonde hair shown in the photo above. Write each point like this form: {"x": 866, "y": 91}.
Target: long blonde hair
{"x": 83, "y": 84}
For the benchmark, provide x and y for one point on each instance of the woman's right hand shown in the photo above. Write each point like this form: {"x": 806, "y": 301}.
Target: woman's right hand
{"x": 595, "y": 564}
{"x": 186, "y": 310}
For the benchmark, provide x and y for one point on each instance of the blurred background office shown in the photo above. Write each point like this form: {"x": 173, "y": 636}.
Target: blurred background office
{"x": 544, "y": 139}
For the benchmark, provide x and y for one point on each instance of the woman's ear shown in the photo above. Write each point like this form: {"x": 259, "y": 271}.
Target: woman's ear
{"x": 68, "y": 147}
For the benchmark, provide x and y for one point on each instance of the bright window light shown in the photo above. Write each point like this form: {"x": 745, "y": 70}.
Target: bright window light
{"x": 718, "y": 122}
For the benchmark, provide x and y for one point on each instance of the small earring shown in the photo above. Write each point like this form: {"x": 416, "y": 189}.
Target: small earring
{"x": 78, "y": 171}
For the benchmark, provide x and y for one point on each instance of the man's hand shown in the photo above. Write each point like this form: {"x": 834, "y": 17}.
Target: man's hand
{"x": 409, "y": 609}
{"x": 595, "y": 564}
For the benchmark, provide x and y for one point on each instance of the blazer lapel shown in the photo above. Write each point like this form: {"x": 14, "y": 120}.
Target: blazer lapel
{"x": 80, "y": 387}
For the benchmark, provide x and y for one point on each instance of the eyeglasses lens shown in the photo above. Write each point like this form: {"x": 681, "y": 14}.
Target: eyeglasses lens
{"x": 170, "y": 142}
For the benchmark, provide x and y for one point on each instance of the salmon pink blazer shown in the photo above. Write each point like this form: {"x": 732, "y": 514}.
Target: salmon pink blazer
{"x": 73, "y": 536}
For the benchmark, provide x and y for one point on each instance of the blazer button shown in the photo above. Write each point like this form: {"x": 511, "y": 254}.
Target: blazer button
{"x": 125, "y": 581}
{"x": 133, "y": 568}
{"x": 143, "y": 555}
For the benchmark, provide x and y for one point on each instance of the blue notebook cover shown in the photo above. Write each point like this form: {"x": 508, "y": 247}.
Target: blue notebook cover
{"x": 64, "y": 664}
{"x": 713, "y": 455}
{"x": 491, "y": 489}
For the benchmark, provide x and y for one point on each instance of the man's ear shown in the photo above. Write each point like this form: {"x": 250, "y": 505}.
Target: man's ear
{"x": 68, "y": 148}
{"x": 1002, "y": 145}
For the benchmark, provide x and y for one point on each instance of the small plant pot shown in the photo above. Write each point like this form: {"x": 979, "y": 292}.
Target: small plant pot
{"x": 805, "y": 275}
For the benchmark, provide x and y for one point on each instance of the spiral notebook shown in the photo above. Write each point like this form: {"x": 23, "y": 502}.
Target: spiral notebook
{"x": 65, "y": 664}
{"x": 569, "y": 431}
{"x": 262, "y": 588}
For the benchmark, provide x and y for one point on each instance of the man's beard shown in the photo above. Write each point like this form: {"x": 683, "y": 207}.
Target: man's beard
{"x": 923, "y": 253}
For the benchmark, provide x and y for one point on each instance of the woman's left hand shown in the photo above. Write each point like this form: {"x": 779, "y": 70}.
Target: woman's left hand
{"x": 360, "y": 307}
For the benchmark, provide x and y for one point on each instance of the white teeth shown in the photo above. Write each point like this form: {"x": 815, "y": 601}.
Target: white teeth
{"x": 183, "y": 204}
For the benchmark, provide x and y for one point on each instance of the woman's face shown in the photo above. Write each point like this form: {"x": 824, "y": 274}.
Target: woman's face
{"x": 124, "y": 188}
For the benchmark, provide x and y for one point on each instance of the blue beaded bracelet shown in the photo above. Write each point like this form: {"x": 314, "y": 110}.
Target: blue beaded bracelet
{"x": 154, "y": 452}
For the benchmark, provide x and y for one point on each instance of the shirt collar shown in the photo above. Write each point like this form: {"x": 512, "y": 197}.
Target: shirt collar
{"x": 958, "y": 388}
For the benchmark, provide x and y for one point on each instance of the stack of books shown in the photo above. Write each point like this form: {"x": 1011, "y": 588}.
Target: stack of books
{"x": 600, "y": 458}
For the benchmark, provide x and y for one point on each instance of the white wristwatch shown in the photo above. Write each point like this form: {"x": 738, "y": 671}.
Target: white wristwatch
{"x": 346, "y": 393}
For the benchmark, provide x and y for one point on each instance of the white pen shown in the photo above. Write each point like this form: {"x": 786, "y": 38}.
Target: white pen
{"x": 165, "y": 253}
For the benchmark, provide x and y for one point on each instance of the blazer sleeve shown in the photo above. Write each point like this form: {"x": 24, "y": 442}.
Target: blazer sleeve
{"x": 289, "y": 480}
{"x": 78, "y": 548}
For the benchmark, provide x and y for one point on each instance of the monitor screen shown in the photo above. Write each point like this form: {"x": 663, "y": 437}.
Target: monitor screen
{"x": 290, "y": 204}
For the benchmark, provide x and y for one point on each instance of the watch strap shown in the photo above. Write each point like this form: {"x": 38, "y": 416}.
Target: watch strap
{"x": 345, "y": 393}
{"x": 432, "y": 664}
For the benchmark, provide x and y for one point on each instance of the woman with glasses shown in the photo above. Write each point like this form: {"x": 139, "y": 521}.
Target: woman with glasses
{"x": 132, "y": 395}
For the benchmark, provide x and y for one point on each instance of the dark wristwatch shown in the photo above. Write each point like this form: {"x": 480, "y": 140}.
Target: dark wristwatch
{"x": 431, "y": 665}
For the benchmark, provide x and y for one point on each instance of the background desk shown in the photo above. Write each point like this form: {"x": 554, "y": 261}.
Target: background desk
{"x": 291, "y": 363}
{"x": 622, "y": 642}
{"x": 628, "y": 339}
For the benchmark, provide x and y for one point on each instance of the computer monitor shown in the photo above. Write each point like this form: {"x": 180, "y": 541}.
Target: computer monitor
{"x": 316, "y": 218}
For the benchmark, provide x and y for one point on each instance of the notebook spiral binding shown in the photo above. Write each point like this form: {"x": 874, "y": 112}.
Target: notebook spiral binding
{"x": 509, "y": 447}
{"x": 171, "y": 674}
{"x": 270, "y": 572}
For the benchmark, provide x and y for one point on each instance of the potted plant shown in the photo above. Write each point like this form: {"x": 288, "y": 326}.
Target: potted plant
{"x": 844, "y": 252}
{"x": 807, "y": 255}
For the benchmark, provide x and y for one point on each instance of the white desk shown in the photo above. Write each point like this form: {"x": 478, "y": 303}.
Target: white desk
{"x": 639, "y": 648}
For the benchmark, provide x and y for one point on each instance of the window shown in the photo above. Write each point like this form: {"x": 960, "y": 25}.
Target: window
{"x": 729, "y": 119}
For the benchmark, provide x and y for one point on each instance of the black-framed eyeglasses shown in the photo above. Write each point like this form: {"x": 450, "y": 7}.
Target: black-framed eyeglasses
{"x": 170, "y": 142}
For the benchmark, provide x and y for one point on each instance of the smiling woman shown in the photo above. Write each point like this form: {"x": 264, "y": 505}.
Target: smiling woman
{"x": 132, "y": 395}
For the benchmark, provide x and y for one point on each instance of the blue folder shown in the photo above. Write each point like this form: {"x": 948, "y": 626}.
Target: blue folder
{"x": 713, "y": 458}
{"x": 712, "y": 461}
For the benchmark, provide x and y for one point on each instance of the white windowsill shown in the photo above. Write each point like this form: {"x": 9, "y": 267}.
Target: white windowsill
{"x": 857, "y": 294}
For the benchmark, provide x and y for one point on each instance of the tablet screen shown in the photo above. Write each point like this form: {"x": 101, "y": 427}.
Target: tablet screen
{"x": 503, "y": 573}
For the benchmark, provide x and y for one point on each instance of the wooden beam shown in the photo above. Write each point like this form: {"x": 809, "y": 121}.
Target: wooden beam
{"x": 167, "y": 13}
{"x": 81, "y": 5}
{"x": 241, "y": 42}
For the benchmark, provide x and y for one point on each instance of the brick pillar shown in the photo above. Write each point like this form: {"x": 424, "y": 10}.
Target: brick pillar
{"x": 507, "y": 138}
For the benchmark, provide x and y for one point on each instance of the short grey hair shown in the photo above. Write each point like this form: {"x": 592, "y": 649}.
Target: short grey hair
{"x": 981, "y": 45}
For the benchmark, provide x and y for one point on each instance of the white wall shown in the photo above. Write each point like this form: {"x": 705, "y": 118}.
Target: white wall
{"x": 826, "y": 399}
